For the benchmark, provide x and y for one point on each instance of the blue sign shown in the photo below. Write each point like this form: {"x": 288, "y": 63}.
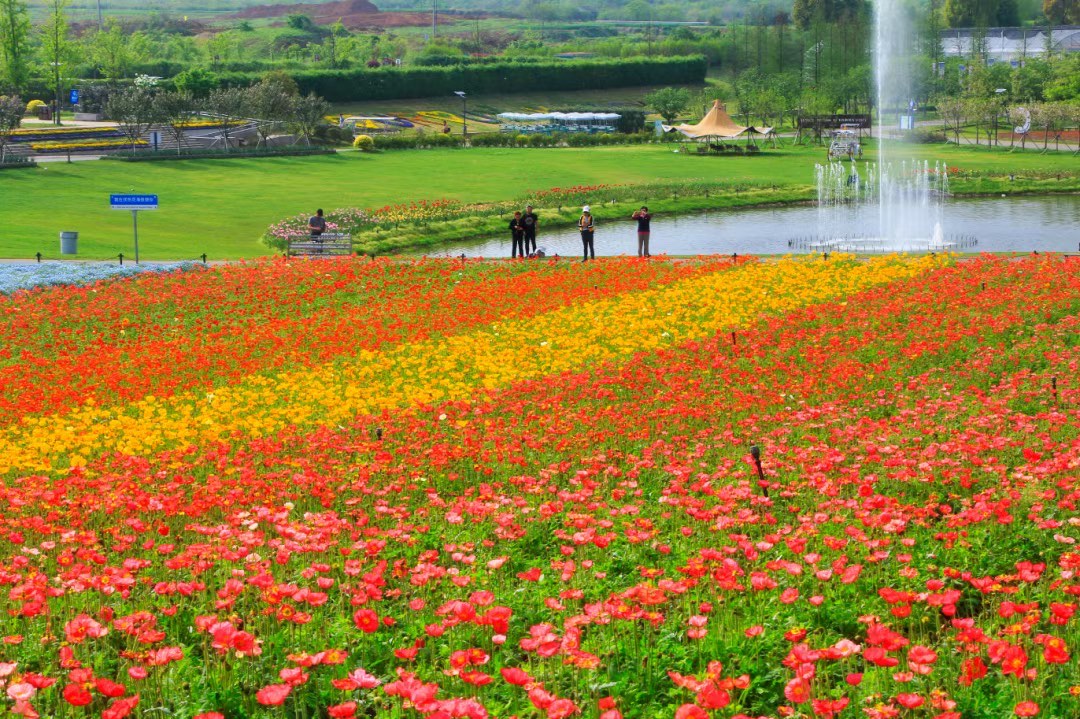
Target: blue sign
{"x": 133, "y": 202}
{"x": 73, "y": 97}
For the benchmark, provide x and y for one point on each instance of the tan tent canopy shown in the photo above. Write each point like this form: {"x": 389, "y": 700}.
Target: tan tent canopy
{"x": 718, "y": 124}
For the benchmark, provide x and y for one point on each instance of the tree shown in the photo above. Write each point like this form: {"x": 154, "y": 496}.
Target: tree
{"x": 11, "y": 114}
{"x": 229, "y": 104}
{"x": 803, "y": 13}
{"x": 56, "y": 48}
{"x": 300, "y": 22}
{"x": 273, "y": 102}
{"x": 116, "y": 52}
{"x": 1061, "y": 12}
{"x": 174, "y": 110}
{"x": 132, "y": 109}
{"x": 1029, "y": 81}
{"x": 668, "y": 102}
{"x": 309, "y": 112}
{"x": 197, "y": 81}
{"x": 337, "y": 32}
{"x": 953, "y": 112}
{"x": 1065, "y": 83}
{"x": 1050, "y": 117}
{"x": 970, "y": 13}
{"x": 14, "y": 44}
{"x": 225, "y": 46}
{"x": 981, "y": 111}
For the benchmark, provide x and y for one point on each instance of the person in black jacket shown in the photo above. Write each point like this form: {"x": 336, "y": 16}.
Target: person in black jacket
{"x": 530, "y": 220}
{"x": 517, "y": 236}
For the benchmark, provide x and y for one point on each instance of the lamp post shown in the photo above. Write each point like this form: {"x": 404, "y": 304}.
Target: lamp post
{"x": 464, "y": 113}
{"x": 1000, "y": 92}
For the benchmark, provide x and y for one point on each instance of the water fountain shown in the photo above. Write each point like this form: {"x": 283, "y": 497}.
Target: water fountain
{"x": 888, "y": 205}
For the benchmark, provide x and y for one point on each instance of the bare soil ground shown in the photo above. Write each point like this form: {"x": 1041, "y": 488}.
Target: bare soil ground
{"x": 352, "y": 13}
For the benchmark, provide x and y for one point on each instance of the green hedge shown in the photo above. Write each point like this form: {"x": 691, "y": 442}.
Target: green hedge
{"x": 393, "y": 83}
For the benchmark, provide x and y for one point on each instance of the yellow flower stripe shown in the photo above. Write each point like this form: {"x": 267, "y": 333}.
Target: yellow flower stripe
{"x": 570, "y": 338}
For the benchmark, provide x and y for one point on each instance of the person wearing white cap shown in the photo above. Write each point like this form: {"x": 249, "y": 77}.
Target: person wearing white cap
{"x": 585, "y": 226}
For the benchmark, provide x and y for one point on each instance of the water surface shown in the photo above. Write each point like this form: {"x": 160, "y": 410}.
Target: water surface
{"x": 1023, "y": 224}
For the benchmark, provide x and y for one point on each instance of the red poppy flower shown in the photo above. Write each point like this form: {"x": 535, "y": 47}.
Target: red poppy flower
{"x": 77, "y": 696}
{"x": 120, "y": 708}
{"x": 273, "y": 695}
{"x": 342, "y": 711}
{"x": 691, "y": 711}
{"x": 1026, "y": 709}
{"x": 366, "y": 620}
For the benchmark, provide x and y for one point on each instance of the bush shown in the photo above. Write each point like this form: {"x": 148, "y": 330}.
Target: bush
{"x": 33, "y": 105}
{"x": 925, "y": 136}
{"x": 364, "y": 143}
{"x": 197, "y": 81}
{"x": 392, "y": 83}
{"x": 630, "y": 121}
{"x": 493, "y": 139}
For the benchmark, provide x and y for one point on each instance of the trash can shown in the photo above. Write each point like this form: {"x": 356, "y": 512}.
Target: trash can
{"x": 69, "y": 243}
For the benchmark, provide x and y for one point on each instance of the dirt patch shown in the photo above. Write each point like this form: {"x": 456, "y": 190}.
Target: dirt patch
{"x": 1070, "y": 136}
{"x": 354, "y": 14}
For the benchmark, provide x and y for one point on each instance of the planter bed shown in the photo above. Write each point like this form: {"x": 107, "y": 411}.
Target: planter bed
{"x": 106, "y": 145}
{"x": 235, "y": 154}
{"x": 58, "y": 136}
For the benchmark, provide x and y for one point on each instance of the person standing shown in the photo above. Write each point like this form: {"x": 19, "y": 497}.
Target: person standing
{"x": 530, "y": 220}
{"x": 585, "y": 226}
{"x": 643, "y": 217}
{"x": 517, "y": 236}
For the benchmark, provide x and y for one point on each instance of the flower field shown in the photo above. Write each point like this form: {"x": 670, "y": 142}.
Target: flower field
{"x": 355, "y": 488}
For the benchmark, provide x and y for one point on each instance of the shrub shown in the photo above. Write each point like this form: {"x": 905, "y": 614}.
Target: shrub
{"x": 925, "y": 136}
{"x": 630, "y": 121}
{"x": 364, "y": 143}
{"x": 33, "y": 105}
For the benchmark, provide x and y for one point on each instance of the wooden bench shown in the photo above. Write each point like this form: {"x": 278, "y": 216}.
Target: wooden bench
{"x": 329, "y": 244}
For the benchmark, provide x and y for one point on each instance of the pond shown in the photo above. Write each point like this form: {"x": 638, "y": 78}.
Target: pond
{"x": 1046, "y": 223}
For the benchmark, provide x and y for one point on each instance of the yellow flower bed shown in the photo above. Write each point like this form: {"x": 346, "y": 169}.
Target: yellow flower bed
{"x": 568, "y": 339}
{"x": 439, "y": 116}
{"x": 196, "y": 124}
{"x": 62, "y": 131}
{"x": 85, "y": 145}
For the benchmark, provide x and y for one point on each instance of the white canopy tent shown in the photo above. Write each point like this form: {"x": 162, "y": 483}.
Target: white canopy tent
{"x": 558, "y": 121}
{"x": 560, "y": 116}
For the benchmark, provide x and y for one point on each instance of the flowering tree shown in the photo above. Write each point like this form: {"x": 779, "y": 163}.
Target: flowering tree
{"x": 11, "y": 113}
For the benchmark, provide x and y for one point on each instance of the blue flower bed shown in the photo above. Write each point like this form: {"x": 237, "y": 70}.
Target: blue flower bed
{"x": 14, "y": 277}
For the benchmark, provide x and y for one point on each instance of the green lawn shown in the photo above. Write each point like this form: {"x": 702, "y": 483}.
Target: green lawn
{"x": 222, "y": 207}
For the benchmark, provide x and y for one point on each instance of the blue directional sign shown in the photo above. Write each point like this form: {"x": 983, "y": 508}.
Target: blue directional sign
{"x": 133, "y": 202}
{"x": 73, "y": 97}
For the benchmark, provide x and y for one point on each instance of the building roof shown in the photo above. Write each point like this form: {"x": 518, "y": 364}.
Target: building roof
{"x": 1011, "y": 42}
